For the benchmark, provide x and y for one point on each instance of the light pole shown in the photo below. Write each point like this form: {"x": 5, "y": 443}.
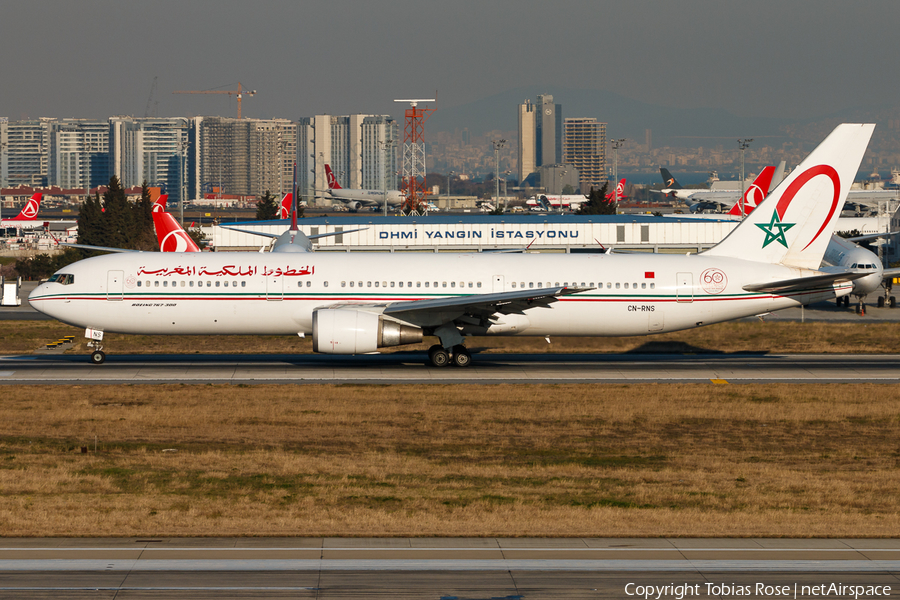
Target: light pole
{"x": 184, "y": 147}
{"x": 497, "y": 145}
{"x": 743, "y": 145}
{"x": 616, "y": 144}
{"x": 385, "y": 144}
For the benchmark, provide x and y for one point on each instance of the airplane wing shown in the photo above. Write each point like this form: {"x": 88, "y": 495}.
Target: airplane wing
{"x": 891, "y": 272}
{"x": 476, "y": 307}
{"x": 803, "y": 283}
{"x": 275, "y": 235}
{"x": 97, "y": 248}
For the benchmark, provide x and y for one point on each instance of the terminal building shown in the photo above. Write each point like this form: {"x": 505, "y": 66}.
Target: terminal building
{"x": 479, "y": 233}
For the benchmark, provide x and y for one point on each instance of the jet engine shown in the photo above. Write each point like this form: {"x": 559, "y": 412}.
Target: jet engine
{"x": 354, "y": 206}
{"x": 348, "y": 331}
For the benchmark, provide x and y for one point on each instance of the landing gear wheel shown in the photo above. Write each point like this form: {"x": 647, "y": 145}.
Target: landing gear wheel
{"x": 880, "y": 301}
{"x": 98, "y": 357}
{"x": 892, "y": 302}
{"x": 847, "y": 301}
{"x": 461, "y": 356}
{"x": 839, "y": 302}
{"x": 438, "y": 357}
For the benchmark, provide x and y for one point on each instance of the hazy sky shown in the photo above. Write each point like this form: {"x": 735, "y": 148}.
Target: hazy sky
{"x": 96, "y": 58}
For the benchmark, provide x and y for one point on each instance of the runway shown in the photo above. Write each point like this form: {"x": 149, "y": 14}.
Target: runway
{"x": 409, "y": 367}
{"x": 509, "y": 568}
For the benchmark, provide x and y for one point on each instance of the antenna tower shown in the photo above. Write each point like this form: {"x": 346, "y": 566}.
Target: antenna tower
{"x": 413, "y": 181}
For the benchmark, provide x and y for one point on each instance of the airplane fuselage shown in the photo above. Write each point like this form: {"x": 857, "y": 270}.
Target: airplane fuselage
{"x": 252, "y": 293}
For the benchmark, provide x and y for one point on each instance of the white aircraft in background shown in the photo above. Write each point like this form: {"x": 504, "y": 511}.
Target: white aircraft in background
{"x": 356, "y": 199}
{"x": 358, "y": 304}
{"x": 27, "y": 217}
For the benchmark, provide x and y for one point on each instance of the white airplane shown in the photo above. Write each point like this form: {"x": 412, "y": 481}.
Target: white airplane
{"x": 702, "y": 199}
{"x": 357, "y": 305}
{"x": 356, "y": 199}
{"x": 27, "y": 217}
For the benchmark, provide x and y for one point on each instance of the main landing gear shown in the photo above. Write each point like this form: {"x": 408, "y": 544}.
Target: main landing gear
{"x": 438, "y": 356}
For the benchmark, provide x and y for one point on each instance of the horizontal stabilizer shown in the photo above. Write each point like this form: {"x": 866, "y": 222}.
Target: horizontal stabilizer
{"x": 803, "y": 283}
{"x": 871, "y": 236}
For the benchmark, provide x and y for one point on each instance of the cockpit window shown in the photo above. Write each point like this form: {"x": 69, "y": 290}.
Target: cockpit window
{"x": 62, "y": 278}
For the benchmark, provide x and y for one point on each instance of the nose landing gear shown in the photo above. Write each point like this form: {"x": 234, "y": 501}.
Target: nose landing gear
{"x": 98, "y": 356}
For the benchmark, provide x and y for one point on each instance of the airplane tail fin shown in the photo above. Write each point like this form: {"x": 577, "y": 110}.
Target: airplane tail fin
{"x": 332, "y": 180}
{"x": 171, "y": 236}
{"x": 29, "y": 212}
{"x": 668, "y": 180}
{"x": 755, "y": 194}
{"x": 287, "y": 205}
{"x": 160, "y": 204}
{"x": 793, "y": 225}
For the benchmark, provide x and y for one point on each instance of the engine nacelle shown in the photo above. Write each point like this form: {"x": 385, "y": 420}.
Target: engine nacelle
{"x": 354, "y": 206}
{"x": 348, "y": 331}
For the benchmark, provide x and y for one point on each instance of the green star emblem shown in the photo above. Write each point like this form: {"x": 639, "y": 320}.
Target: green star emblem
{"x": 771, "y": 234}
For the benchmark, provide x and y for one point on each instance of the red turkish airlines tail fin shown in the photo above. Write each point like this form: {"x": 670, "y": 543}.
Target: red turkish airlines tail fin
{"x": 287, "y": 204}
{"x": 172, "y": 237}
{"x": 755, "y": 194}
{"x": 332, "y": 180}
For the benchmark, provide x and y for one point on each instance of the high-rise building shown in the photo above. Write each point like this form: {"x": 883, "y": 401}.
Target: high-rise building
{"x": 246, "y": 157}
{"x": 24, "y": 152}
{"x": 585, "y": 148}
{"x": 540, "y": 135}
{"x": 79, "y": 153}
{"x": 149, "y": 150}
{"x": 548, "y": 131}
{"x": 526, "y": 164}
{"x": 359, "y": 148}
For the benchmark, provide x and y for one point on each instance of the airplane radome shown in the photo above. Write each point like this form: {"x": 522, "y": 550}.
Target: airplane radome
{"x": 354, "y": 304}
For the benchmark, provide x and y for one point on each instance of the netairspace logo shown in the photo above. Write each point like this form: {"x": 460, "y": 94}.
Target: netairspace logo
{"x": 681, "y": 591}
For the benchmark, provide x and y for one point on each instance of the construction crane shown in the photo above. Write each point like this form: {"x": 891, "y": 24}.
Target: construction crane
{"x": 238, "y": 92}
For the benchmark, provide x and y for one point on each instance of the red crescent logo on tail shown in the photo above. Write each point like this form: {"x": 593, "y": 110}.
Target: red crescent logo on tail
{"x": 802, "y": 180}
{"x": 160, "y": 204}
{"x": 175, "y": 241}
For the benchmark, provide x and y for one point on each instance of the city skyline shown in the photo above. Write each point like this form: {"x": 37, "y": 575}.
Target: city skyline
{"x": 766, "y": 59}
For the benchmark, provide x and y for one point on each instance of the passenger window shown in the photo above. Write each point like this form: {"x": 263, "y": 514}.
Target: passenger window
{"x": 626, "y": 286}
{"x": 360, "y": 284}
{"x": 209, "y": 284}
{"x": 392, "y": 284}
{"x": 243, "y": 284}
{"x": 326, "y": 284}
{"x": 608, "y": 285}
{"x": 426, "y": 284}
{"x": 400, "y": 283}
{"x": 470, "y": 284}
{"x": 343, "y": 284}
{"x": 351, "y": 284}
{"x": 165, "y": 284}
{"x": 308, "y": 283}
{"x": 139, "y": 283}
{"x": 370, "y": 284}
{"x": 445, "y": 284}
{"x": 478, "y": 284}
{"x": 435, "y": 284}
{"x": 617, "y": 286}
{"x": 530, "y": 284}
{"x": 513, "y": 285}
{"x": 226, "y": 284}
{"x": 452, "y": 284}
{"x": 182, "y": 284}
{"x": 634, "y": 286}
{"x": 418, "y": 284}
{"x": 652, "y": 286}
{"x": 408, "y": 284}
{"x": 217, "y": 284}
{"x": 156, "y": 283}
{"x": 643, "y": 286}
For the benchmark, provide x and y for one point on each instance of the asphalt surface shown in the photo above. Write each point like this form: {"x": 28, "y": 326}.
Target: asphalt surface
{"x": 400, "y": 368}
{"x": 445, "y": 568}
